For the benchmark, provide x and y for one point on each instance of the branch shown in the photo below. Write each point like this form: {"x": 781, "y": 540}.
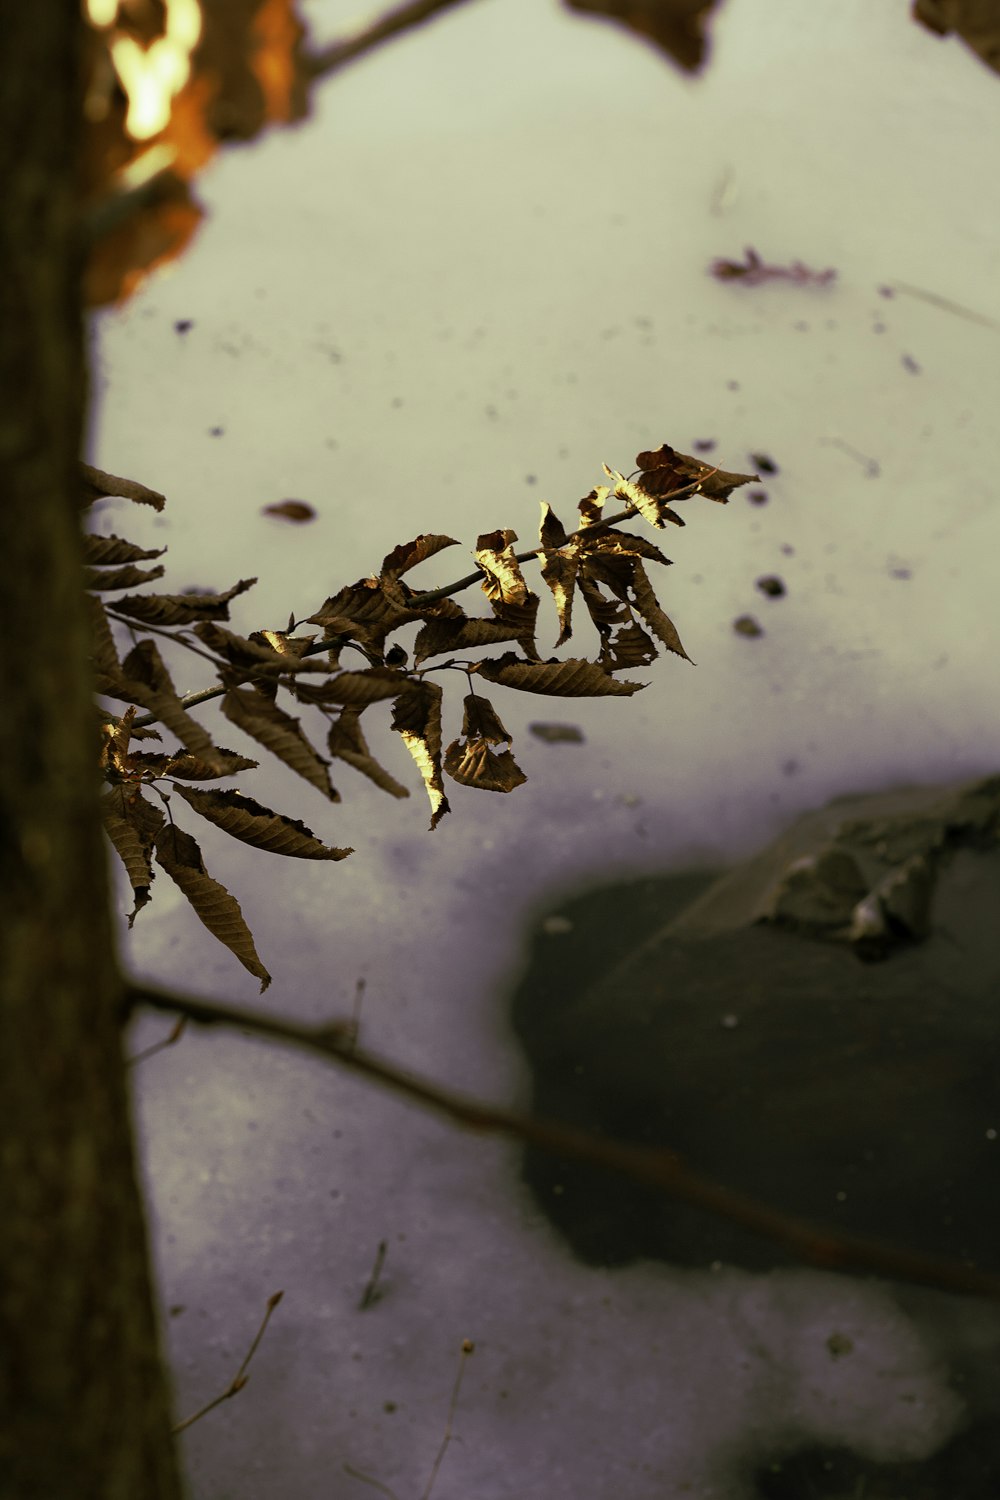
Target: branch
{"x": 653, "y": 1168}
{"x": 241, "y": 1377}
{"x": 392, "y": 23}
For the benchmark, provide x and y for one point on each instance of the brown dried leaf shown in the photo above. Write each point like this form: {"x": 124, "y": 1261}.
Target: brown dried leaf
{"x": 620, "y": 544}
{"x": 559, "y": 569}
{"x": 650, "y": 507}
{"x": 346, "y": 741}
{"x": 627, "y": 646}
{"x": 591, "y": 507}
{"x": 474, "y": 764}
{"x": 977, "y": 22}
{"x": 254, "y": 651}
{"x": 416, "y": 715}
{"x": 677, "y": 27}
{"x": 481, "y": 721}
{"x": 115, "y": 736}
{"x": 251, "y": 823}
{"x": 180, "y": 609}
{"x": 357, "y": 689}
{"x": 191, "y": 767}
{"x": 648, "y": 606}
{"x": 551, "y": 532}
{"x": 573, "y": 678}
{"x": 504, "y": 583}
{"x": 665, "y": 471}
{"x": 111, "y": 551}
{"x": 368, "y": 610}
{"x": 148, "y": 683}
{"x": 451, "y": 634}
{"x": 126, "y": 577}
{"x": 132, "y": 825}
{"x": 96, "y": 484}
{"x": 262, "y": 719}
{"x": 408, "y": 554}
{"x": 105, "y": 654}
{"x": 557, "y": 734}
{"x": 178, "y": 853}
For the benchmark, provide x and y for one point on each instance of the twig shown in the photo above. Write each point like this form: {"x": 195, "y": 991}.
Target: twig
{"x": 241, "y": 1377}
{"x": 376, "y": 1484}
{"x": 370, "y": 1295}
{"x": 176, "y": 1032}
{"x": 137, "y": 627}
{"x": 946, "y": 304}
{"x": 331, "y": 59}
{"x": 661, "y": 1169}
{"x": 468, "y": 1347}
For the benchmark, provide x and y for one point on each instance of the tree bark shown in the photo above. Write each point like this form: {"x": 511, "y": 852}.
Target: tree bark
{"x": 84, "y": 1408}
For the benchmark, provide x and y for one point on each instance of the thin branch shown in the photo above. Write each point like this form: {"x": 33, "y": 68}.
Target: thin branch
{"x": 661, "y": 1169}
{"x": 371, "y": 1294}
{"x": 392, "y": 23}
{"x": 241, "y": 1377}
{"x": 468, "y": 1347}
{"x": 140, "y": 628}
{"x": 175, "y": 1034}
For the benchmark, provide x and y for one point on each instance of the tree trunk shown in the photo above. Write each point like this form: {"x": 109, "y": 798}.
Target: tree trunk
{"x": 84, "y": 1409}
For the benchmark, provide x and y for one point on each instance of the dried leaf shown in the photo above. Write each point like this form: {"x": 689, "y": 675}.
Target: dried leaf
{"x": 247, "y": 820}
{"x": 416, "y": 715}
{"x": 126, "y": 577}
{"x": 346, "y": 742}
{"x": 450, "y": 634}
{"x": 105, "y": 654}
{"x": 408, "y": 554}
{"x": 96, "y": 484}
{"x": 551, "y": 532}
{"x": 976, "y": 22}
{"x": 132, "y": 825}
{"x": 627, "y": 646}
{"x": 358, "y": 689}
{"x": 559, "y": 571}
{"x": 474, "y": 764}
{"x": 111, "y": 551}
{"x": 665, "y": 471}
{"x": 370, "y": 614}
{"x": 180, "y": 609}
{"x": 652, "y": 508}
{"x": 178, "y": 853}
{"x": 677, "y": 27}
{"x": 261, "y": 649}
{"x": 753, "y": 271}
{"x": 260, "y": 718}
{"x": 115, "y": 737}
{"x": 148, "y": 683}
{"x": 290, "y": 510}
{"x": 646, "y": 603}
{"x": 191, "y": 767}
{"x": 573, "y": 678}
{"x": 504, "y": 583}
{"x": 481, "y": 721}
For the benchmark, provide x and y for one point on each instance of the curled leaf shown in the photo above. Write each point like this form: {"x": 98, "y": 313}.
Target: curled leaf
{"x": 474, "y": 764}
{"x": 573, "y": 678}
{"x": 408, "y": 554}
{"x": 96, "y": 484}
{"x": 132, "y": 825}
{"x": 416, "y": 716}
{"x": 180, "y": 609}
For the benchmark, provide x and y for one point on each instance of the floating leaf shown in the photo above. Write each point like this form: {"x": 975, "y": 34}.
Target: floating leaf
{"x": 753, "y": 271}
{"x": 573, "y": 678}
{"x": 557, "y": 734}
{"x": 111, "y": 551}
{"x": 247, "y": 820}
{"x": 96, "y": 484}
{"x": 346, "y": 741}
{"x": 290, "y": 510}
{"x": 178, "y": 853}
{"x": 180, "y": 609}
{"x": 260, "y": 718}
{"x": 416, "y": 715}
{"x": 132, "y": 825}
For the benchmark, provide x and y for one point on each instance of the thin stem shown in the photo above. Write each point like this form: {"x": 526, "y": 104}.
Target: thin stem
{"x": 240, "y": 1379}
{"x": 392, "y": 23}
{"x": 468, "y": 1348}
{"x": 661, "y": 1168}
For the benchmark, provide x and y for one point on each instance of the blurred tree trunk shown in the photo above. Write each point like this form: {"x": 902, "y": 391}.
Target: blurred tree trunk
{"x": 84, "y": 1409}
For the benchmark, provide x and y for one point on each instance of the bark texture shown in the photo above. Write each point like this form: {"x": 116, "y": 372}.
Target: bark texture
{"x": 84, "y": 1409}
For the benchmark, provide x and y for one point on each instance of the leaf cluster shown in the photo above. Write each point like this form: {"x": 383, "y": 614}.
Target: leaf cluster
{"x": 259, "y": 676}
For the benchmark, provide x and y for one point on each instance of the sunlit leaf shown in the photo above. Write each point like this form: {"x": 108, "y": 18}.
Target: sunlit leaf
{"x": 178, "y": 853}
{"x": 262, "y": 719}
{"x": 416, "y": 716}
{"x": 504, "y": 582}
{"x": 573, "y": 678}
{"x": 247, "y": 820}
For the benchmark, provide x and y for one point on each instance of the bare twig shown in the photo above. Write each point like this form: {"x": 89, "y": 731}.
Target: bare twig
{"x": 241, "y": 1377}
{"x": 371, "y": 1294}
{"x": 392, "y": 23}
{"x": 176, "y": 1032}
{"x": 946, "y": 304}
{"x": 376, "y": 1484}
{"x": 468, "y": 1347}
{"x": 661, "y": 1169}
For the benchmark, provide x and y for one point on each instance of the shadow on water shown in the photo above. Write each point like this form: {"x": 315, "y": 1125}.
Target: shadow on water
{"x": 861, "y": 1096}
